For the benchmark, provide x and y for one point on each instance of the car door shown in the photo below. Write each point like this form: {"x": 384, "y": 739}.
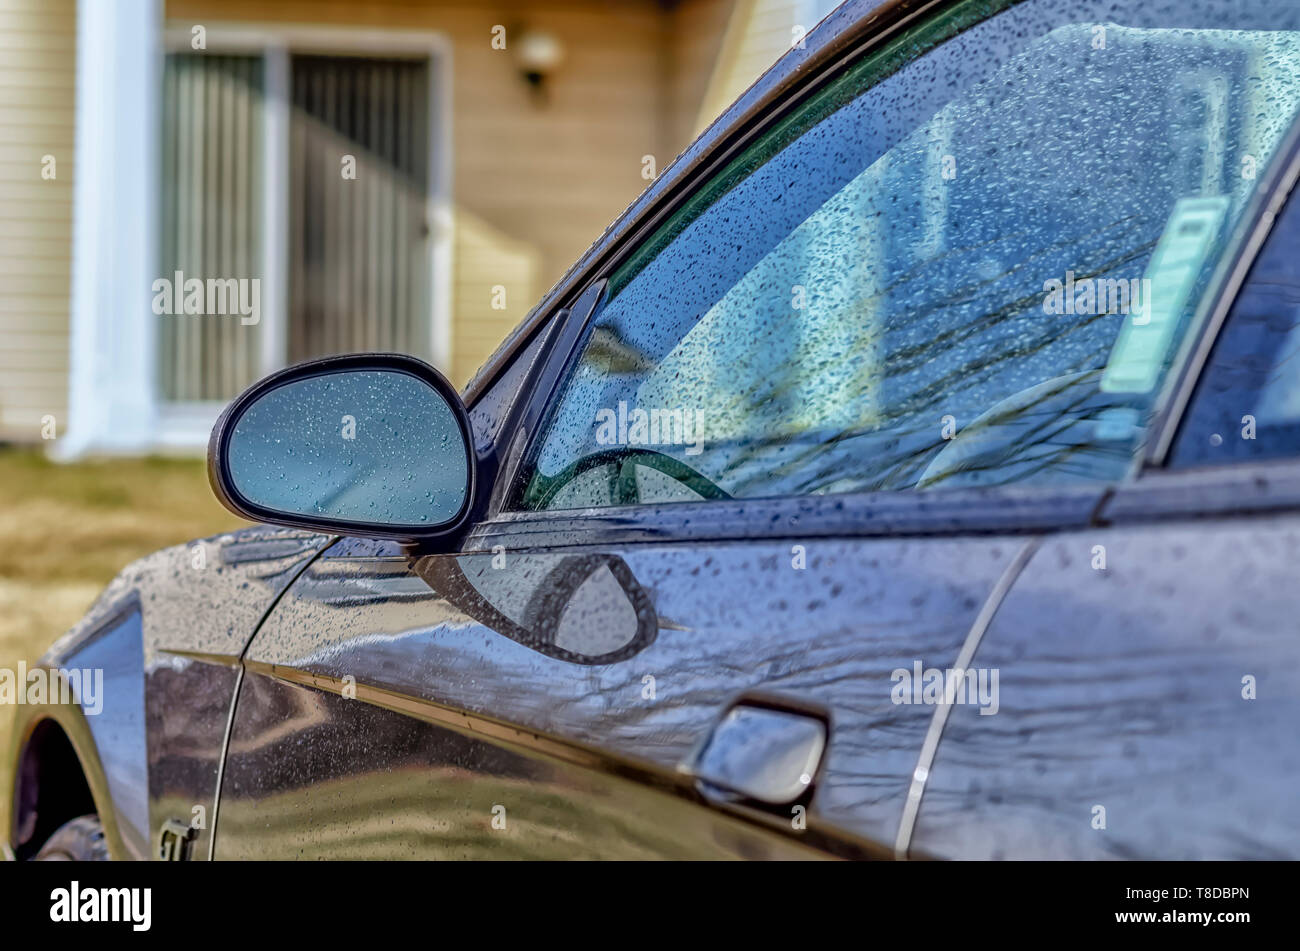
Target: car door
{"x": 751, "y": 499}
{"x": 1150, "y": 664}
{"x": 545, "y": 691}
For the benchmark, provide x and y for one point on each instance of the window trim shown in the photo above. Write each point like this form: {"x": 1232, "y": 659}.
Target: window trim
{"x": 1262, "y": 211}
{"x": 528, "y": 415}
{"x": 1009, "y": 510}
{"x": 1229, "y": 488}
{"x": 1206, "y": 492}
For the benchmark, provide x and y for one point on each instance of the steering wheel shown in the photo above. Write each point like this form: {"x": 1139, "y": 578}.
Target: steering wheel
{"x": 625, "y": 489}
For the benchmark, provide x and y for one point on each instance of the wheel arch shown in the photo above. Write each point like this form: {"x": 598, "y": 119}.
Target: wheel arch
{"x": 55, "y": 776}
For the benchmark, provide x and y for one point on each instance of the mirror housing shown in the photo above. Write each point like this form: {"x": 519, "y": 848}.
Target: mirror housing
{"x": 367, "y": 445}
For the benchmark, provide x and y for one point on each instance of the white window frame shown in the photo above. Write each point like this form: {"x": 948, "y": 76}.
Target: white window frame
{"x": 186, "y": 425}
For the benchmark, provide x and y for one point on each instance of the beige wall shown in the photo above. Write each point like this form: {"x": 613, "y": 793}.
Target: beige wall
{"x": 535, "y": 184}
{"x": 698, "y": 28}
{"x": 759, "y": 33}
{"x": 37, "y": 85}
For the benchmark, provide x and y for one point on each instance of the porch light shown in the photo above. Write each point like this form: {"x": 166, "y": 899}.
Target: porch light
{"x": 538, "y": 54}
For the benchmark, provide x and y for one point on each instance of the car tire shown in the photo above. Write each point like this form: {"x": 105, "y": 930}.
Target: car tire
{"x": 81, "y": 840}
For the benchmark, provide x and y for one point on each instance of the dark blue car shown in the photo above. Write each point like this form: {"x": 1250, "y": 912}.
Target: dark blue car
{"x": 912, "y": 471}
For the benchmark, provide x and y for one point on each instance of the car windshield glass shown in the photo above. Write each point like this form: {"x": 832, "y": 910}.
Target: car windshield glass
{"x": 967, "y": 260}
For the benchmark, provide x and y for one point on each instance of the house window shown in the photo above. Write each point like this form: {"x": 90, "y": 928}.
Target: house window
{"x": 211, "y": 219}
{"x": 357, "y": 257}
{"x": 296, "y": 184}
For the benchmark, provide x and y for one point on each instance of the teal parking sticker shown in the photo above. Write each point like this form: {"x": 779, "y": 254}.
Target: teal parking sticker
{"x": 1139, "y": 352}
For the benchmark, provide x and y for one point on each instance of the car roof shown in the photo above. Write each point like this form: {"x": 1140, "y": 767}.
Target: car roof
{"x": 837, "y": 37}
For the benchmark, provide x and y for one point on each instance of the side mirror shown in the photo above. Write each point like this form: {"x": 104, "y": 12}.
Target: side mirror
{"x": 372, "y": 445}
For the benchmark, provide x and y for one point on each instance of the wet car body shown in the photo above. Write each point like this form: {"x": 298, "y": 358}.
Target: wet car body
{"x": 554, "y": 684}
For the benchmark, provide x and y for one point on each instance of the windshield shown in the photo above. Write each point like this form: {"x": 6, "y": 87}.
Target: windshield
{"x": 968, "y": 260}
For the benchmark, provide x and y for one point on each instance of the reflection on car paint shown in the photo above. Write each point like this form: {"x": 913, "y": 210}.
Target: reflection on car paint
{"x": 1127, "y": 727}
{"x": 731, "y": 618}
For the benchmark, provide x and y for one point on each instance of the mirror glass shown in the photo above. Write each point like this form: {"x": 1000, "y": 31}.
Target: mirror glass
{"x": 376, "y": 447}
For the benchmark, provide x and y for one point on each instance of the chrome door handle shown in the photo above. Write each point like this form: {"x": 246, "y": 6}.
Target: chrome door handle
{"x": 762, "y": 751}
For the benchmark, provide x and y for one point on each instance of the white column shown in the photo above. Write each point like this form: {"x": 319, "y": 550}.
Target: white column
{"x": 439, "y": 208}
{"x": 275, "y": 211}
{"x": 112, "y": 403}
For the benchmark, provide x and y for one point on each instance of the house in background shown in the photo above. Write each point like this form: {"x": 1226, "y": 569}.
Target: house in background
{"x": 338, "y": 175}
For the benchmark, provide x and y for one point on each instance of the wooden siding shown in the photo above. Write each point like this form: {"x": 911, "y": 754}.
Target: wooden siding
{"x": 37, "y": 95}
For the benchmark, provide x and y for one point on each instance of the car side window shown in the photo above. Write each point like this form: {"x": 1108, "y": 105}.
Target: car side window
{"x": 1247, "y": 401}
{"x": 915, "y": 283}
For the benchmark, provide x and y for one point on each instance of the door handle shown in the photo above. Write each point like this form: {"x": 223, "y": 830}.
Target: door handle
{"x": 763, "y": 751}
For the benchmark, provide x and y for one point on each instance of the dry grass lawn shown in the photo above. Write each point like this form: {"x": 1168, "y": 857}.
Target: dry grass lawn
{"x": 66, "y": 530}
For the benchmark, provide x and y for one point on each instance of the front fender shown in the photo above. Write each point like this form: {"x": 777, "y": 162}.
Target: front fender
{"x": 17, "y": 819}
{"x": 166, "y": 637}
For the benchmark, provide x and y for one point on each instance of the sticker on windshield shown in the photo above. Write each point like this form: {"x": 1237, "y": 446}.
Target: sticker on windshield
{"x": 1139, "y": 351}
